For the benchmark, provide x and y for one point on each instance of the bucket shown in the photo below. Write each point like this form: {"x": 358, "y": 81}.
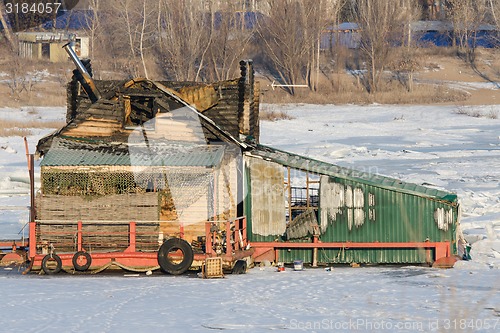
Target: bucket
{"x": 298, "y": 265}
{"x": 281, "y": 267}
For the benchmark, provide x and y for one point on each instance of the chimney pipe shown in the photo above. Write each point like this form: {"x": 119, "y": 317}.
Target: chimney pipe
{"x": 88, "y": 84}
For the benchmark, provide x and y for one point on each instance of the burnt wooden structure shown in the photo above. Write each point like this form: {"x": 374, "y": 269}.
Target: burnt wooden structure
{"x": 165, "y": 155}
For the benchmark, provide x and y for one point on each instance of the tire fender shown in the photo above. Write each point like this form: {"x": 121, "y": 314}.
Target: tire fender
{"x": 50, "y": 270}
{"x": 240, "y": 267}
{"x": 81, "y": 261}
{"x": 174, "y": 244}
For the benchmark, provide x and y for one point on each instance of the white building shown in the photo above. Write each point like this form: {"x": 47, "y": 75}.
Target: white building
{"x": 48, "y": 45}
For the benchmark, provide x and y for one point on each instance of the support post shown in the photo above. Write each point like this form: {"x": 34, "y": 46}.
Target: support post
{"x": 31, "y": 172}
{"x": 32, "y": 238}
{"x": 208, "y": 238}
{"x": 181, "y": 230}
{"x": 229, "y": 245}
{"x": 244, "y": 230}
{"x": 428, "y": 258}
{"x": 289, "y": 196}
{"x": 307, "y": 190}
{"x": 315, "y": 252}
{"x": 79, "y": 235}
{"x": 132, "y": 237}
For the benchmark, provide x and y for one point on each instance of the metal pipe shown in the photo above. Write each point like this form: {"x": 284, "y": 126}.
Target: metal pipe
{"x": 88, "y": 83}
{"x": 31, "y": 172}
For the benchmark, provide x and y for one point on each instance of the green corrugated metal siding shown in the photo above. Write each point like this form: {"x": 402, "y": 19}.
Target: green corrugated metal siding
{"x": 399, "y": 217}
{"x": 404, "y": 212}
{"x": 362, "y": 256}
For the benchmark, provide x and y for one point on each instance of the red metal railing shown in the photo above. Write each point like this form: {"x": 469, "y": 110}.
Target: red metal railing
{"x": 441, "y": 249}
{"x": 67, "y": 242}
{"x": 235, "y": 233}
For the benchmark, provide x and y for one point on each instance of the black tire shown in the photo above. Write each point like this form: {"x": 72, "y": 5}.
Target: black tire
{"x": 240, "y": 267}
{"x": 47, "y": 264}
{"x": 77, "y": 261}
{"x": 174, "y": 244}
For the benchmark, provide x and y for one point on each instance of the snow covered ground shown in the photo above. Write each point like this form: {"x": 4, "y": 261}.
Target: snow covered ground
{"x": 431, "y": 145}
{"x": 14, "y": 178}
{"x": 379, "y": 299}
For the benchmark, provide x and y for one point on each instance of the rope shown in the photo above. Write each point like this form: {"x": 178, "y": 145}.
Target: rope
{"x": 139, "y": 270}
{"x": 114, "y": 263}
{"x": 102, "y": 268}
{"x": 337, "y": 257}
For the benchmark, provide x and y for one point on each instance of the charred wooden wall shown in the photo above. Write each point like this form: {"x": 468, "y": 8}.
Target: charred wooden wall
{"x": 236, "y": 110}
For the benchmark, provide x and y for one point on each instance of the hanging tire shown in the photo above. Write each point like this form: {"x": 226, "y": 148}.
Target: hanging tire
{"x": 240, "y": 267}
{"x": 167, "y": 265}
{"x": 81, "y": 261}
{"x": 48, "y": 263}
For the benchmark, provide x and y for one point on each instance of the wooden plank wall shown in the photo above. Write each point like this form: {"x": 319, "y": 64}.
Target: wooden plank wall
{"x": 117, "y": 207}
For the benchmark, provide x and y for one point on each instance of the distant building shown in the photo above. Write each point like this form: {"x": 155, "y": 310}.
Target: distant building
{"x": 48, "y": 45}
{"x": 440, "y": 33}
{"x": 345, "y": 34}
{"x": 424, "y": 33}
{"x": 242, "y": 5}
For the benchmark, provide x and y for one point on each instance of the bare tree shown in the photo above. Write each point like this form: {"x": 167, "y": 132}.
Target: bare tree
{"x": 93, "y": 24}
{"x": 495, "y": 12}
{"x": 378, "y": 20}
{"x": 407, "y": 64}
{"x": 230, "y": 37}
{"x": 129, "y": 21}
{"x": 467, "y": 16}
{"x": 143, "y": 36}
{"x": 16, "y": 77}
{"x": 21, "y": 77}
{"x": 6, "y": 29}
{"x": 289, "y": 36}
{"x": 328, "y": 13}
{"x": 185, "y": 37}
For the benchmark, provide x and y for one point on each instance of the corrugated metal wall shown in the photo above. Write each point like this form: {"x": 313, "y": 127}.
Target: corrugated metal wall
{"x": 267, "y": 198}
{"x": 352, "y": 211}
{"x": 375, "y": 214}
